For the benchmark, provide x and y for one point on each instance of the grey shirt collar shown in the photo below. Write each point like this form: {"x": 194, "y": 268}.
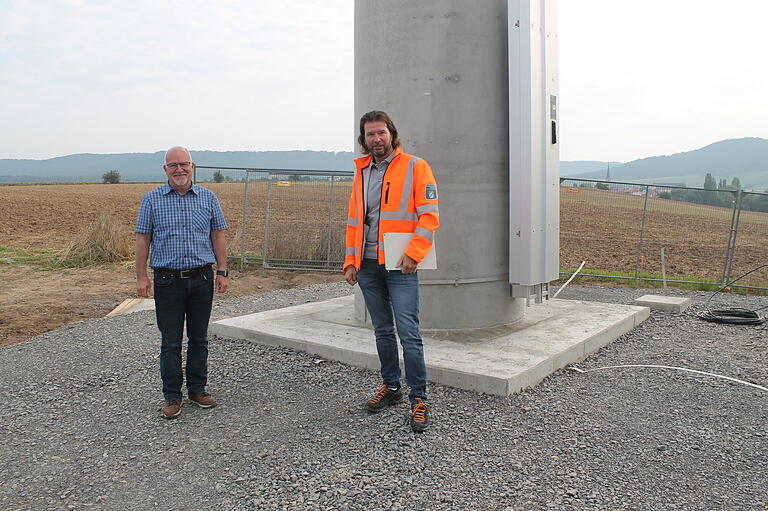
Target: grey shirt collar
{"x": 386, "y": 160}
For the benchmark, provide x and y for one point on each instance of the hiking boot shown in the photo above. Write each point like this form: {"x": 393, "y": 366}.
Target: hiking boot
{"x": 172, "y": 408}
{"x": 204, "y": 400}
{"x": 419, "y": 416}
{"x": 383, "y": 398}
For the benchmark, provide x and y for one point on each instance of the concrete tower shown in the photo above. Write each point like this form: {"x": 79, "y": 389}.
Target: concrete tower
{"x": 439, "y": 68}
{"x": 472, "y": 87}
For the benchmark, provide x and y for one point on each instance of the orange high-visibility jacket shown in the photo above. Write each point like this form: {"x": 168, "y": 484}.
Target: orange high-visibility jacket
{"x": 408, "y": 204}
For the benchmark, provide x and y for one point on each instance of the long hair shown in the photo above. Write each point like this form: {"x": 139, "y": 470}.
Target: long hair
{"x": 377, "y": 116}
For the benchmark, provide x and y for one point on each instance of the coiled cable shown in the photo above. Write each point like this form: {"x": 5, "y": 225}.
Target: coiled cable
{"x": 733, "y": 316}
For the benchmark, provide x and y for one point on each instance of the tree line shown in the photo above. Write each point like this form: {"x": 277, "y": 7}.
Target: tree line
{"x": 719, "y": 193}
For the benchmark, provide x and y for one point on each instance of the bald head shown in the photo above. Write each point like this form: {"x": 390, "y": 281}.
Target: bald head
{"x": 178, "y": 153}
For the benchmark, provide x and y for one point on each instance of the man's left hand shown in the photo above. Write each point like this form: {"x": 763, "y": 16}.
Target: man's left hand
{"x": 406, "y": 264}
{"x": 221, "y": 284}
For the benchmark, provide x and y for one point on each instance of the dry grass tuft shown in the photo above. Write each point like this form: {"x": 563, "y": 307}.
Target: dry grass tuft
{"x": 104, "y": 241}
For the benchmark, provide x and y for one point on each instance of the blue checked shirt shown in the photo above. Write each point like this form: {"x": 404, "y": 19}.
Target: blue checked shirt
{"x": 180, "y": 226}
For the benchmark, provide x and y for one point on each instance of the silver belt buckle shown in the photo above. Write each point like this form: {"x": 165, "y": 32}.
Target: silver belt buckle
{"x": 185, "y": 274}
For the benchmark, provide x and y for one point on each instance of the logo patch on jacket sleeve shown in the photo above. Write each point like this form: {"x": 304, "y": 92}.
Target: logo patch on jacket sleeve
{"x": 431, "y": 192}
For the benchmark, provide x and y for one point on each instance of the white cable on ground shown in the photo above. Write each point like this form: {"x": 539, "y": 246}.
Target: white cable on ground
{"x": 671, "y": 367}
{"x": 569, "y": 280}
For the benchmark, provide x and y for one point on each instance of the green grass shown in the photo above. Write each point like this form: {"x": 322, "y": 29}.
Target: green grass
{"x": 46, "y": 259}
{"x": 42, "y": 259}
{"x": 612, "y": 276}
{"x": 39, "y": 259}
{"x": 235, "y": 254}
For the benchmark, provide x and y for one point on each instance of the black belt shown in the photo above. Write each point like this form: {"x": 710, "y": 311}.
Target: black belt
{"x": 184, "y": 274}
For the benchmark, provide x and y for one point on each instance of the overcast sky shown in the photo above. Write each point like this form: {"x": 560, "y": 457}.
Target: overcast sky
{"x": 636, "y": 78}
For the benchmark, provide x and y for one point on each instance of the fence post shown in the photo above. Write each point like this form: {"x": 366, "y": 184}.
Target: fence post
{"x": 642, "y": 233}
{"x": 731, "y": 248}
{"x": 330, "y": 225}
{"x": 244, "y": 227}
{"x": 266, "y": 220}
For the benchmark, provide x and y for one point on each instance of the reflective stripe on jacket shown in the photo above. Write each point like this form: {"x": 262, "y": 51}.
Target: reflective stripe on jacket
{"x": 408, "y": 204}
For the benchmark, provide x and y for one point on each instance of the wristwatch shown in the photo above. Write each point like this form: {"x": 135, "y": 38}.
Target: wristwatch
{"x": 222, "y": 273}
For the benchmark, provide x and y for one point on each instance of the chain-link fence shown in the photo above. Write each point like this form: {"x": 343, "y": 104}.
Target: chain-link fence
{"x": 291, "y": 219}
{"x": 662, "y": 233}
{"x": 295, "y": 219}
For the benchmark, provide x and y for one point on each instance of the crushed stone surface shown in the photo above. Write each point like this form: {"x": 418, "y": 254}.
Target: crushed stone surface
{"x": 81, "y": 427}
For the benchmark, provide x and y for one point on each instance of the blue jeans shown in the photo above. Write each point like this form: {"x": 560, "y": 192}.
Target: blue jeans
{"x": 177, "y": 300}
{"x": 386, "y": 292}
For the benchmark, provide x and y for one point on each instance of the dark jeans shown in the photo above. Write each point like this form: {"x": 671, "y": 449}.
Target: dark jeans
{"x": 178, "y": 299}
{"x": 387, "y": 292}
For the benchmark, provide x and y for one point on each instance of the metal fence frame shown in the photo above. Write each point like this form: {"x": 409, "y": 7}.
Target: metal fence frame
{"x": 330, "y": 263}
{"x": 730, "y": 245}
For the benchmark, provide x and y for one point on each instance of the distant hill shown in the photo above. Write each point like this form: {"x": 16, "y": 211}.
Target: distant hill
{"x": 574, "y": 168}
{"x": 745, "y": 158}
{"x": 148, "y": 166}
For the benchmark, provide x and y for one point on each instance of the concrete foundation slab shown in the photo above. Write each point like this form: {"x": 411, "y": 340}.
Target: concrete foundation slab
{"x": 664, "y": 303}
{"x": 501, "y": 360}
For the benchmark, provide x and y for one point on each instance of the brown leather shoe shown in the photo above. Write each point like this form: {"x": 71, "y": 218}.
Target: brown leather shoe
{"x": 172, "y": 408}
{"x": 203, "y": 400}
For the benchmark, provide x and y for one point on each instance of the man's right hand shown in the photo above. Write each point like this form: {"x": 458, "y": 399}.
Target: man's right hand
{"x": 143, "y": 286}
{"x": 350, "y": 275}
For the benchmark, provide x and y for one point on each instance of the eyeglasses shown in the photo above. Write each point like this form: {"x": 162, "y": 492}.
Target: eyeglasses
{"x": 182, "y": 164}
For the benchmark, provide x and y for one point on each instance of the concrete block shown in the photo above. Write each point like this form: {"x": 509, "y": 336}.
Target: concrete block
{"x": 664, "y": 303}
{"x": 500, "y": 360}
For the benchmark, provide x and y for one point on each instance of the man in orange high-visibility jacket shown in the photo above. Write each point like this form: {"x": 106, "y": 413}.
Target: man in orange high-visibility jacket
{"x": 392, "y": 192}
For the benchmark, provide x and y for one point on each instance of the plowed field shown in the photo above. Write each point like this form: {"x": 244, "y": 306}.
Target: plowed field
{"x": 604, "y": 228}
{"x": 601, "y": 227}
{"x": 35, "y": 217}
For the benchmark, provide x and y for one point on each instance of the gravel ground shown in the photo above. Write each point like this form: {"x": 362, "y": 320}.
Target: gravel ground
{"x": 81, "y": 427}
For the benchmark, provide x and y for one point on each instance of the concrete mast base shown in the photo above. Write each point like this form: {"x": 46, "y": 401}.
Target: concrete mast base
{"x": 500, "y": 360}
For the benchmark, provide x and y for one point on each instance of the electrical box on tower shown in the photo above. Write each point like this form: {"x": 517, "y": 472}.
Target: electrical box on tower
{"x": 534, "y": 157}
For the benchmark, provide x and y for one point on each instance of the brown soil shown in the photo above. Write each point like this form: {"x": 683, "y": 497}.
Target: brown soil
{"x": 603, "y": 228}
{"x": 599, "y": 227}
{"x": 36, "y": 301}
{"x": 48, "y": 216}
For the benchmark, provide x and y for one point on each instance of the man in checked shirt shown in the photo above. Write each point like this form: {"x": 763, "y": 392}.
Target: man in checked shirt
{"x": 185, "y": 226}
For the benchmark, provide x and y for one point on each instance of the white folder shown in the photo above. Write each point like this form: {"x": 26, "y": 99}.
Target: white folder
{"x": 395, "y": 244}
